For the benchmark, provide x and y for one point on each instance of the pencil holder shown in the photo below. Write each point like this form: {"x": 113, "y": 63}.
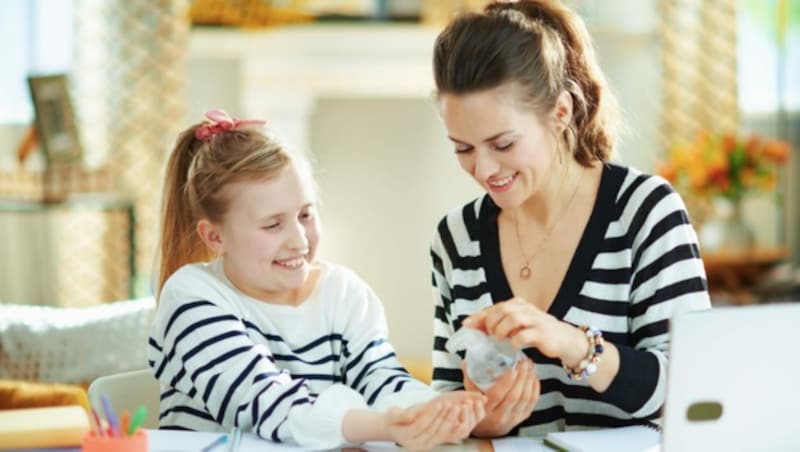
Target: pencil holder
{"x": 134, "y": 443}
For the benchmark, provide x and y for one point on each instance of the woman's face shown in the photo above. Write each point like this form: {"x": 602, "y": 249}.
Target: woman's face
{"x": 507, "y": 149}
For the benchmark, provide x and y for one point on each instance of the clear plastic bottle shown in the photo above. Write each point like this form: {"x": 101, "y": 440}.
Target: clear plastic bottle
{"x": 487, "y": 359}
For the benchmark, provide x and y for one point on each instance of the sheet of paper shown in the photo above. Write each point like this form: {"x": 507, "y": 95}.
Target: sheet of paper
{"x": 635, "y": 438}
{"x": 519, "y": 445}
{"x": 177, "y": 441}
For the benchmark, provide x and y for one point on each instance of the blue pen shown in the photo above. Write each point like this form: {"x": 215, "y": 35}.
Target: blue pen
{"x": 111, "y": 417}
{"x": 221, "y": 440}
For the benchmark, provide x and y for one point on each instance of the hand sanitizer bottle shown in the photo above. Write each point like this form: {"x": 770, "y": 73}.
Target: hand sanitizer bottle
{"x": 487, "y": 359}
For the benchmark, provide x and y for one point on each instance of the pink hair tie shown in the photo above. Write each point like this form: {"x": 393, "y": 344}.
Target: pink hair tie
{"x": 219, "y": 121}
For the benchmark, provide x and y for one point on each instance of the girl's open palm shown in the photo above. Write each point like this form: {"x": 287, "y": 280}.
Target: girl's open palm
{"x": 448, "y": 418}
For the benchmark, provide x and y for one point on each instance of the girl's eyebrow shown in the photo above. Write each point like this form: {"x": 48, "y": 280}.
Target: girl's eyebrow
{"x": 279, "y": 215}
{"x": 491, "y": 138}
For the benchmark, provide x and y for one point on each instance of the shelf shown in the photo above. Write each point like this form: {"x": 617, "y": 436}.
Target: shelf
{"x": 736, "y": 273}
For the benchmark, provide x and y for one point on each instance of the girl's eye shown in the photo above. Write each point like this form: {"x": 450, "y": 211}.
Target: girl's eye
{"x": 463, "y": 150}
{"x": 504, "y": 146}
{"x": 306, "y": 215}
{"x": 271, "y": 227}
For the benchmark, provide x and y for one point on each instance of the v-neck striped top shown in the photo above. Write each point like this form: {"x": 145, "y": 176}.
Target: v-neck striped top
{"x": 636, "y": 265}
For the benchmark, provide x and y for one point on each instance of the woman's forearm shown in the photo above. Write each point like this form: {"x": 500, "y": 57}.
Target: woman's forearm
{"x": 607, "y": 367}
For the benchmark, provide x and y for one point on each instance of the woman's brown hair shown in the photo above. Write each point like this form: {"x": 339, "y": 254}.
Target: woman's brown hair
{"x": 543, "y": 47}
{"x": 196, "y": 175}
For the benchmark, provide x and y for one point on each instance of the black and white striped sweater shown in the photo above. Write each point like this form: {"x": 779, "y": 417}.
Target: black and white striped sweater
{"x": 636, "y": 265}
{"x": 287, "y": 373}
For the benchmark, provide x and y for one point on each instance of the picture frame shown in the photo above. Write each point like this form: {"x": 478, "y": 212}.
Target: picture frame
{"x": 55, "y": 120}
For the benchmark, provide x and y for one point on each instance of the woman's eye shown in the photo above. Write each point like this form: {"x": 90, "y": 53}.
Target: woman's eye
{"x": 463, "y": 150}
{"x": 270, "y": 227}
{"x": 306, "y": 216}
{"x": 504, "y": 146}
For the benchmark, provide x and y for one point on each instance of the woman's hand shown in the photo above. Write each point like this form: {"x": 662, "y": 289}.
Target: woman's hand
{"x": 509, "y": 401}
{"x": 525, "y": 325}
{"x": 448, "y": 418}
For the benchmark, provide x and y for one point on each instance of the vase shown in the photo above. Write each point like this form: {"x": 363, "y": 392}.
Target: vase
{"x": 727, "y": 231}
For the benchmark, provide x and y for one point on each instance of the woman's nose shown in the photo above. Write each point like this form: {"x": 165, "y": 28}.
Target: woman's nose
{"x": 485, "y": 165}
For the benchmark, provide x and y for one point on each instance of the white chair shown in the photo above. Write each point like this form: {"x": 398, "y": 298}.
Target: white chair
{"x": 126, "y": 391}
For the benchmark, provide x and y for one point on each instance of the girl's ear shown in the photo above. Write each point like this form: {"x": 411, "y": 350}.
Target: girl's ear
{"x": 211, "y": 235}
{"x": 562, "y": 111}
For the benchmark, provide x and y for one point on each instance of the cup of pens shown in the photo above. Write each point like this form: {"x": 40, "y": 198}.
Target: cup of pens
{"x": 118, "y": 434}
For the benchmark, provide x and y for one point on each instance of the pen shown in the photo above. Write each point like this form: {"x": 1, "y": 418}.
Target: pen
{"x": 111, "y": 417}
{"x": 124, "y": 423}
{"x": 235, "y": 440}
{"x": 221, "y": 440}
{"x": 99, "y": 424}
{"x": 138, "y": 418}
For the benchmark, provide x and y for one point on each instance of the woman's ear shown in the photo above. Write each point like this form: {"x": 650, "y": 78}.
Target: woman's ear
{"x": 562, "y": 112}
{"x": 211, "y": 235}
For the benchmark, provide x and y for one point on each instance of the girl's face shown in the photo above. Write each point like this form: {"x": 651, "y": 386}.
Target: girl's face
{"x": 270, "y": 235}
{"x": 507, "y": 149}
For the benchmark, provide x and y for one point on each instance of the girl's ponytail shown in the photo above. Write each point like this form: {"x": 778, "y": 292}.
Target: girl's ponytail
{"x": 179, "y": 243}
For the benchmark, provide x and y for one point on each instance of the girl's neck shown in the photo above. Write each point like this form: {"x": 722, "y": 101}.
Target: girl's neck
{"x": 294, "y": 297}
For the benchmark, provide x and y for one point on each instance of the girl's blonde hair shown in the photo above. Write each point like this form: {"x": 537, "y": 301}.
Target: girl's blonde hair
{"x": 197, "y": 173}
{"x": 543, "y": 47}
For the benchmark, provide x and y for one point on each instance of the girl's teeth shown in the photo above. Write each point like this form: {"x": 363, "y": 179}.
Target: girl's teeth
{"x": 292, "y": 263}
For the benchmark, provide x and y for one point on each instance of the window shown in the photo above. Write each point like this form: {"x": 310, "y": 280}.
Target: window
{"x": 37, "y": 37}
{"x": 760, "y": 60}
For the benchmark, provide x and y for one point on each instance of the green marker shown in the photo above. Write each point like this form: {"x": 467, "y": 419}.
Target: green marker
{"x": 138, "y": 418}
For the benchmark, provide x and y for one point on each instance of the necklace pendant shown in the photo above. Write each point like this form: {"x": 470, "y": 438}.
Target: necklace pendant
{"x": 525, "y": 272}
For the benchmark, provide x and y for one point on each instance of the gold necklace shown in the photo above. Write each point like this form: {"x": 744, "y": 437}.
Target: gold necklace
{"x": 525, "y": 271}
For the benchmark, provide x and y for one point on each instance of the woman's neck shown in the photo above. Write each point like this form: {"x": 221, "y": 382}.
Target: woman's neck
{"x": 555, "y": 196}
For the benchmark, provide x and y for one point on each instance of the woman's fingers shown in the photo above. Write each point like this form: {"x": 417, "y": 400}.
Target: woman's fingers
{"x": 524, "y": 337}
{"x": 498, "y": 392}
{"x": 469, "y": 385}
{"x": 529, "y": 393}
{"x": 476, "y": 320}
{"x": 514, "y": 394}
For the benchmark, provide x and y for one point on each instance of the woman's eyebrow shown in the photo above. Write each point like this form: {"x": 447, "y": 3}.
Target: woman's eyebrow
{"x": 491, "y": 138}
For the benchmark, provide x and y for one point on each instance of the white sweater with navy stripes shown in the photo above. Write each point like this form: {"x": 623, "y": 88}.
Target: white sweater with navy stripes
{"x": 289, "y": 374}
{"x": 636, "y": 265}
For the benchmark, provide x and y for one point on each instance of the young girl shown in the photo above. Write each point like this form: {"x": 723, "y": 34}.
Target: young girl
{"x": 578, "y": 261}
{"x": 252, "y": 331}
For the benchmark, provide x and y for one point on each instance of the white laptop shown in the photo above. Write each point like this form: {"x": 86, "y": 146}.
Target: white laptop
{"x": 733, "y": 382}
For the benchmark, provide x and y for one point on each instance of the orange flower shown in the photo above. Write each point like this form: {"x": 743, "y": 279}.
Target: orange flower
{"x": 668, "y": 171}
{"x": 777, "y": 151}
{"x": 726, "y": 165}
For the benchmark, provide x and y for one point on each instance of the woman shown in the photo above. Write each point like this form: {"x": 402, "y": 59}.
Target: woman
{"x": 578, "y": 261}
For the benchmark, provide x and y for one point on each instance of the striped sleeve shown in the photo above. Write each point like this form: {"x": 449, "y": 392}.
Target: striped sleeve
{"x": 202, "y": 351}
{"x": 667, "y": 278}
{"x": 370, "y": 363}
{"x": 447, "y": 375}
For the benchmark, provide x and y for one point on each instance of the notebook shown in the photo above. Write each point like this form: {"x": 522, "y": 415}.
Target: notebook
{"x": 637, "y": 438}
{"x": 43, "y": 427}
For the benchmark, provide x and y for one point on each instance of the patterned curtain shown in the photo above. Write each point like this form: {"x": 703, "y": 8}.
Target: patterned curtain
{"x": 128, "y": 78}
{"x": 699, "y": 63}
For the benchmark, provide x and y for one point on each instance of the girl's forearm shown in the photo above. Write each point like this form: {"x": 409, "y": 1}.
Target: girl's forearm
{"x": 360, "y": 426}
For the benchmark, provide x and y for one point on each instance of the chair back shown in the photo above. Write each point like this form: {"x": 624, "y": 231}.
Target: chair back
{"x": 126, "y": 391}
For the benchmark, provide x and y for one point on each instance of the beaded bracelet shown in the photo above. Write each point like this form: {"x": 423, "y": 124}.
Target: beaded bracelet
{"x": 588, "y": 365}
